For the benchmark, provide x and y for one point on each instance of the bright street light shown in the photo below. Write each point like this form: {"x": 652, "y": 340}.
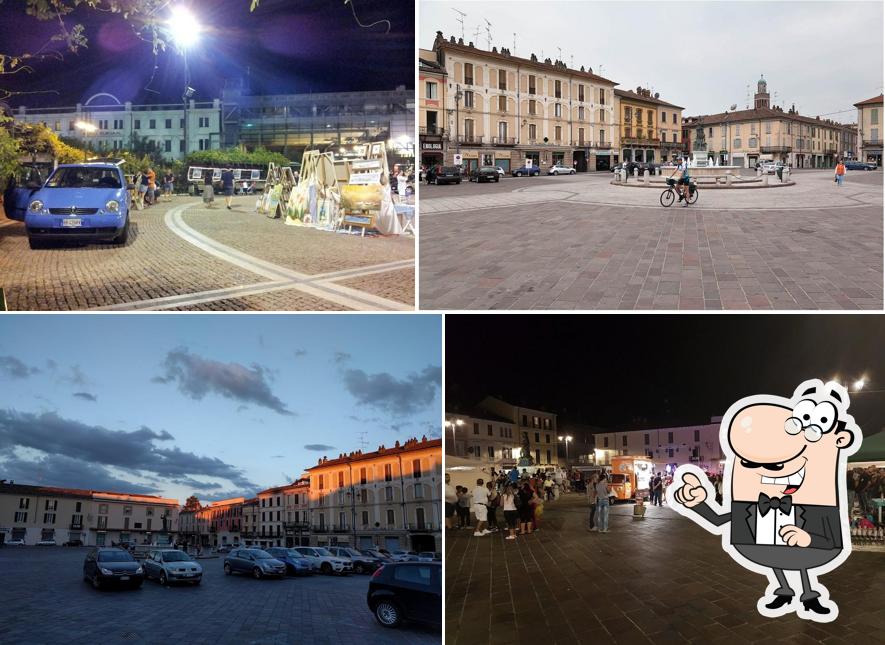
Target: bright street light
{"x": 566, "y": 438}
{"x": 859, "y": 383}
{"x": 183, "y": 27}
{"x": 86, "y": 126}
{"x": 453, "y": 424}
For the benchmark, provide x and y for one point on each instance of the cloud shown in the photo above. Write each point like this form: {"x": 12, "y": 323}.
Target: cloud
{"x": 342, "y": 357}
{"x": 195, "y": 484}
{"x": 319, "y": 447}
{"x": 86, "y": 396}
{"x": 76, "y": 377}
{"x": 278, "y": 456}
{"x": 396, "y": 396}
{"x": 300, "y": 352}
{"x": 396, "y": 427}
{"x": 14, "y": 368}
{"x": 67, "y": 472}
{"x": 197, "y": 376}
{"x": 95, "y": 445}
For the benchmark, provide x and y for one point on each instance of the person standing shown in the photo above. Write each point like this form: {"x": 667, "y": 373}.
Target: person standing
{"x": 142, "y": 190}
{"x": 168, "y": 184}
{"x": 480, "y": 508}
{"x": 463, "y": 508}
{"x": 514, "y": 475}
{"x": 494, "y": 499}
{"x": 591, "y": 499}
{"x": 840, "y": 173}
{"x": 657, "y": 489}
{"x": 602, "y": 494}
{"x": 508, "y": 503}
{"x": 208, "y": 189}
{"x": 451, "y": 501}
{"x": 526, "y": 510}
{"x": 227, "y": 185}
{"x": 152, "y": 185}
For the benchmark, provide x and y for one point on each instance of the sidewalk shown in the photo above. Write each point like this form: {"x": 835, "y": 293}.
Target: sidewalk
{"x": 659, "y": 580}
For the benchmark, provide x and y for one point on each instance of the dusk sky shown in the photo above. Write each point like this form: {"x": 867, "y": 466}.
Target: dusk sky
{"x": 653, "y": 371}
{"x": 217, "y": 405}
{"x": 283, "y": 47}
{"x": 822, "y": 56}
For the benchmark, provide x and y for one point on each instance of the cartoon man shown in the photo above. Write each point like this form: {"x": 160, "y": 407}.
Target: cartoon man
{"x": 784, "y": 499}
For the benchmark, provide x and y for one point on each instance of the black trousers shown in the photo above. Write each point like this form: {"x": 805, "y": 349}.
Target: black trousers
{"x": 592, "y": 515}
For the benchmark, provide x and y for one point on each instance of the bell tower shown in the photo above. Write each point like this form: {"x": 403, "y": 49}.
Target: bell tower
{"x": 761, "y": 99}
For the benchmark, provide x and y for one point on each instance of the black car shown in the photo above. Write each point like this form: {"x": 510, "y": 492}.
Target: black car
{"x": 485, "y": 173}
{"x": 859, "y": 165}
{"x": 73, "y": 543}
{"x": 406, "y": 591}
{"x": 112, "y": 567}
{"x": 444, "y": 175}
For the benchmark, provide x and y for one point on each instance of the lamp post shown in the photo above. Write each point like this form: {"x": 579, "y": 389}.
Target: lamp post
{"x": 453, "y": 424}
{"x": 87, "y": 128}
{"x": 458, "y": 95}
{"x": 185, "y": 31}
{"x": 566, "y": 439}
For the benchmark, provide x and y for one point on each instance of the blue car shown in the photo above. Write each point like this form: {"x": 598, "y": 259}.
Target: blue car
{"x": 88, "y": 201}
{"x": 526, "y": 171}
{"x": 296, "y": 564}
{"x": 859, "y": 165}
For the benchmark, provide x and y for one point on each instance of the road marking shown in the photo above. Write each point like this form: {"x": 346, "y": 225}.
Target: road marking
{"x": 321, "y": 285}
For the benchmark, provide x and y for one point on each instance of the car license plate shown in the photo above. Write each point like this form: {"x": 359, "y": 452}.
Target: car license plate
{"x": 124, "y": 577}
{"x": 72, "y": 222}
{"x": 187, "y": 575}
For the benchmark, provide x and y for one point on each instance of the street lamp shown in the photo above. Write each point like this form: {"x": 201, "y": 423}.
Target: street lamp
{"x": 87, "y": 129}
{"x": 453, "y": 424}
{"x": 185, "y": 32}
{"x": 566, "y": 438}
{"x": 858, "y": 384}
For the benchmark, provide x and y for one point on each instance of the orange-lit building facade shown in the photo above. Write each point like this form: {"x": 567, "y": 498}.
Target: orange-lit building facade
{"x": 388, "y": 498}
{"x": 283, "y": 516}
{"x": 97, "y": 518}
{"x": 215, "y": 524}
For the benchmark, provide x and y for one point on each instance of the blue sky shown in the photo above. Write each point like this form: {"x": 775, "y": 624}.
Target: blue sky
{"x": 215, "y": 405}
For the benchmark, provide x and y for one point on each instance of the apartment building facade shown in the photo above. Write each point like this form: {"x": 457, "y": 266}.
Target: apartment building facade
{"x": 117, "y": 123}
{"x": 432, "y": 140}
{"x": 284, "y": 515}
{"x": 214, "y": 524}
{"x": 869, "y": 130}
{"x": 483, "y": 436}
{"x": 650, "y": 128}
{"x": 97, "y": 518}
{"x": 387, "y": 498}
{"x": 503, "y": 110}
{"x": 668, "y": 448}
{"x": 745, "y": 137}
{"x": 536, "y": 427}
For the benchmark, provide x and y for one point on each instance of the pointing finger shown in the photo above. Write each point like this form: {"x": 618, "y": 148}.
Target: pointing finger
{"x": 691, "y": 479}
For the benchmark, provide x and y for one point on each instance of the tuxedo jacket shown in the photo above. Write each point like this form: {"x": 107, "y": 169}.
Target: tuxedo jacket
{"x": 821, "y": 522}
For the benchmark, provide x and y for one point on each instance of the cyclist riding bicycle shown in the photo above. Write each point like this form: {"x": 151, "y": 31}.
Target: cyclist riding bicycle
{"x": 682, "y": 186}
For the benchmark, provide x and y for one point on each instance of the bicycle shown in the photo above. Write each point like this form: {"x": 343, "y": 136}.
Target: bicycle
{"x": 669, "y": 195}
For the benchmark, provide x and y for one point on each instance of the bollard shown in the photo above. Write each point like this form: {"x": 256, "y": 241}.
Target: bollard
{"x": 728, "y": 179}
{"x": 645, "y": 176}
{"x": 624, "y": 174}
{"x": 765, "y": 179}
{"x": 617, "y": 177}
{"x": 636, "y": 173}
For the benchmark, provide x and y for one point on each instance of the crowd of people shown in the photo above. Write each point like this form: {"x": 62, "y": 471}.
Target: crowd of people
{"x": 865, "y": 485}
{"x": 147, "y": 190}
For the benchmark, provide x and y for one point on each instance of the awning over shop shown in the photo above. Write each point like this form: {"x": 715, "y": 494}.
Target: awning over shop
{"x": 871, "y": 450}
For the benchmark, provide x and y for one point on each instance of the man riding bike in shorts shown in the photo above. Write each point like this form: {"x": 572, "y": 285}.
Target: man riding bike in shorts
{"x": 682, "y": 186}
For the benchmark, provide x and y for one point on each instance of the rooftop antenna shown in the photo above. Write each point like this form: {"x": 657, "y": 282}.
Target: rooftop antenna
{"x": 488, "y": 33}
{"x": 363, "y": 443}
{"x": 559, "y": 49}
{"x": 600, "y": 69}
{"x": 571, "y": 61}
{"x": 460, "y": 19}
{"x": 514, "y": 43}
{"x": 748, "y": 97}
{"x": 476, "y": 34}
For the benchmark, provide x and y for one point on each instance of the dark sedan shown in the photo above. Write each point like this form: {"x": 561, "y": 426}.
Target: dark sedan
{"x": 110, "y": 567}
{"x": 859, "y": 165}
{"x": 444, "y": 175}
{"x": 257, "y": 562}
{"x": 406, "y": 591}
{"x": 485, "y": 173}
{"x": 296, "y": 564}
{"x": 526, "y": 171}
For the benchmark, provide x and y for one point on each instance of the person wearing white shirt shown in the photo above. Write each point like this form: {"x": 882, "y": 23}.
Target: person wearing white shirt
{"x": 451, "y": 501}
{"x": 480, "y": 510}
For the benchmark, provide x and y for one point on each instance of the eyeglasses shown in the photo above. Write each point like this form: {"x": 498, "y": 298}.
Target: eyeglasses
{"x": 793, "y": 426}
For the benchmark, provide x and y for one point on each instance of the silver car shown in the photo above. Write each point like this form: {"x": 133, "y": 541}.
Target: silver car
{"x": 170, "y": 565}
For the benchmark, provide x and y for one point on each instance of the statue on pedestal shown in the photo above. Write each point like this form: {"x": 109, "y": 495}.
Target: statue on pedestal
{"x": 525, "y": 456}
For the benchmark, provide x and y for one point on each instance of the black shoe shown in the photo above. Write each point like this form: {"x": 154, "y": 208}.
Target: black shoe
{"x": 680, "y": 198}
{"x": 779, "y": 601}
{"x": 815, "y": 606}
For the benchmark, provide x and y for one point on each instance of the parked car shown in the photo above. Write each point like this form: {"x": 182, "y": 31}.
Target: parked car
{"x": 444, "y": 175}
{"x": 500, "y": 170}
{"x": 172, "y": 565}
{"x": 46, "y": 543}
{"x": 88, "y": 201}
{"x": 73, "y": 543}
{"x": 112, "y": 567}
{"x": 384, "y": 558}
{"x": 406, "y": 591}
{"x": 526, "y": 171}
{"x": 404, "y": 556}
{"x": 362, "y": 563}
{"x": 257, "y": 562}
{"x": 485, "y": 173}
{"x": 770, "y": 167}
{"x": 224, "y": 548}
{"x": 296, "y": 564}
{"x": 559, "y": 169}
{"x": 14, "y": 543}
{"x": 429, "y": 556}
{"x": 629, "y": 165}
{"x": 859, "y": 165}
{"x": 322, "y": 560}
{"x": 20, "y": 188}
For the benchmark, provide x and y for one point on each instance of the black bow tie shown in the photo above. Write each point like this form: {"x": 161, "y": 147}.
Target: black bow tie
{"x": 783, "y": 504}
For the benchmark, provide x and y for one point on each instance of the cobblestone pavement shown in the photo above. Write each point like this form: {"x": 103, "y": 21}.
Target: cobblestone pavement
{"x": 170, "y": 265}
{"x": 581, "y": 243}
{"x": 44, "y": 600}
{"x": 660, "y": 580}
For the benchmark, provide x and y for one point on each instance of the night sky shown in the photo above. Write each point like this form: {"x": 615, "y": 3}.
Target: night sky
{"x": 636, "y": 371}
{"x": 289, "y": 47}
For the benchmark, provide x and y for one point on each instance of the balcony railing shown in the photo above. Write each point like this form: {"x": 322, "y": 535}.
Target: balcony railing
{"x": 431, "y": 130}
{"x": 640, "y": 140}
{"x": 304, "y": 526}
{"x": 320, "y": 529}
{"x": 829, "y": 151}
{"x": 340, "y": 529}
{"x": 773, "y": 149}
{"x": 504, "y": 141}
{"x": 469, "y": 138}
{"x": 872, "y": 142}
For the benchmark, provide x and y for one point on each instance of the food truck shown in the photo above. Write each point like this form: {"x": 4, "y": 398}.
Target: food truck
{"x": 629, "y": 476}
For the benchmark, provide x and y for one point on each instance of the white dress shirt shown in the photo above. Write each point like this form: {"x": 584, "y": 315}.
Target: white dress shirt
{"x": 768, "y": 527}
